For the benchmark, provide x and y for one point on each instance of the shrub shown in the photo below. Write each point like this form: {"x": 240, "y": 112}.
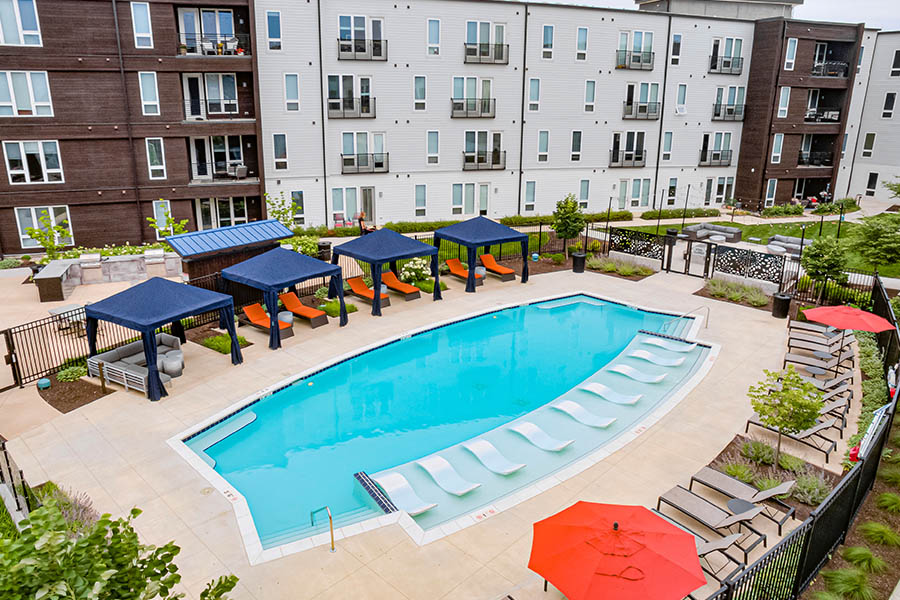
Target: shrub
{"x": 836, "y": 293}
{"x": 890, "y": 475}
{"x": 767, "y": 483}
{"x": 888, "y": 501}
{"x": 9, "y": 263}
{"x": 740, "y": 471}
{"x": 558, "y": 259}
{"x": 783, "y": 210}
{"x": 415, "y": 269}
{"x": 851, "y": 584}
{"x": 26, "y": 258}
{"x": 522, "y": 220}
{"x": 862, "y": 557}
{"x": 811, "y": 488}
{"x": 427, "y": 285}
{"x": 417, "y": 226}
{"x": 222, "y": 343}
{"x": 834, "y": 208}
{"x": 676, "y": 213}
{"x": 756, "y": 297}
{"x": 595, "y": 246}
{"x": 333, "y": 308}
{"x": 626, "y": 270}
{"x": 879, "y": 533}
{"x": 72, "y": 373}
{"x": 791, "y": 463}
{"x": 644, "y": 271}
{"x": 735, "y": 295}
{"x": 304, "y": 244}
{"x": 717, "y": 288}
{"x": 322, "y": 292}
{"x": 759, "y": 452}
{"x": 826, "y": 595}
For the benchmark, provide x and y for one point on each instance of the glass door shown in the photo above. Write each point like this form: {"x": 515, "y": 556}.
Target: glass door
{"x": 223, "y": 208}
{"x": 470, "y": 156}
{"x": 483, "y": 190}
{"x": 368, "y": 204}
{"x": 359, "y": 35}
{"x": 496, "y": 147}
{"x": 704, "y": 148}
{"x": 200, "y": 165}
{"x": 616, "y": 148}
{"x": 194, "y": 104}
{"x": 379, "y": 157}
{"x": 481, "y": 150}
{"x": 714, "y": 57}
{"x": 499, "y": 41}
{"x": 485, "y": 96}
{"x": 190, "y": 29}
{"x": 205, "y": 214}
{"x": 378, "y": 44}
{"x": 347, "y": 92}
{"x": 365, "y": 96}
{"x": 484, "y": 38}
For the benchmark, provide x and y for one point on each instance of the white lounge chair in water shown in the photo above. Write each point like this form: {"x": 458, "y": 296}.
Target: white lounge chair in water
{"x": 446, "y": 476}
{"x": 656, "y": 359}
{"x": 539, "y": 437}
{"x": 637, "y": 375}
{"x": 401, "y": 494}
{"x": 670, "y": 345}
{"x": 491, "y": 458}
{"x": 581, "y": 414}
{"x": 609, "y": 394}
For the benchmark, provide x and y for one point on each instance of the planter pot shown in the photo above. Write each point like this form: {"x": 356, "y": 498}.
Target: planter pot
{"x": 578, "y": 260}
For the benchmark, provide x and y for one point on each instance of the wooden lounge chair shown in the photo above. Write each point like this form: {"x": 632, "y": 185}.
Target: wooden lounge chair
{"x": 505, "y": 273}
{"x": 731, "y": 487}
{"x": 707, "y": 548}
{"x": 316, "y": 317}
{"x": 456, "y": 269}
{"x": 255, "y": 315}
{"x": 410, "y": 292}
{"x": 812, "y": 437}
{"x": 359, "y": 288}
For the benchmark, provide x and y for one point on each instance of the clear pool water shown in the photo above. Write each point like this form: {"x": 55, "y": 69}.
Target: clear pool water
{"x": 408, "y": 399}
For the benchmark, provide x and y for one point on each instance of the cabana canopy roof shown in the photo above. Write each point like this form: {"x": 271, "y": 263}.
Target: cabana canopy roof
{"x": 479, "y": 231}
{"x": 277, "y": 269}
{"x": 384, "y": 245}
{"x": 197, "y": 243}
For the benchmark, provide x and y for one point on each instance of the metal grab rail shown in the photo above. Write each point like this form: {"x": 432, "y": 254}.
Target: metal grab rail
{"x": 684, "y": 314}
{"x": 312, "y": 522}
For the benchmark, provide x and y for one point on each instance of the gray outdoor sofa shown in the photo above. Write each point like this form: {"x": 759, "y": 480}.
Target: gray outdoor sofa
{"x": 127, "y": 366}
{"x": 704, "y": 230}
{"x": 791, "y": 245}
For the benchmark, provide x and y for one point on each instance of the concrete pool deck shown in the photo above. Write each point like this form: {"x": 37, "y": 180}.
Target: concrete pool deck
{"x": 115, "y": 450}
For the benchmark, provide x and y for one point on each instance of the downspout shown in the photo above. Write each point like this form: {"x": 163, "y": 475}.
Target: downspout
{"x": 663, "y": 117}
{"x": 522, "y": 111}
{"x": 862, "y": 110}
{"x": 322, "y": 110}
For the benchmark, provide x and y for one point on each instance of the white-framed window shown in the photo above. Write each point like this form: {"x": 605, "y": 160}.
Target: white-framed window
{"x": 640, "y": 50}
{"x": 681, "y": 99}
{"x": 584, "y": 193}
{"x": 463, "y": 199}
{"x": 161, "y": 211}
{"x": 868, "y": 145}
{"x": 33, "y": 162}
{"x": 790, "y": 55}
{"x": 420, "y": 200}
{"x": 344, "y": 202}
{"x": 529, "y": 196}
{"x": 576, "y": 146}
{"x": 887, "y": 110}
{"x": 156, "y": 158}
{"x": 784, "y": 99}
{"x": 419, "y": 92}
{"x": 707, "y": 196}
{"x": 581, "y": 43}
{"x": 299, "y": 207}
{"x": 273, "y": 29}
{"x": 140, "y": 22}
{"x": 292, "y": 91}
{"x": 671, "y": 191}
{"x": 676, "y": 49}
{"x": 149, "y": 93}
{"x": 667, "y": 146}
{"x": 280, "y": 144}
{"x": 862, "y": 50}
{"x": 25, "y": 94}
{"x": 895, "y": 64}
{"x": 771, "y": 187}
{"x": 28, "y": 217}
{"x": 640, "y": 191}
{"x": 590, "y": 93}
{"x": 19, "y": 23}
{"x": 871, "y": 184}
{"x": 844, "y": 145}
{"x": 547, "y": 45}
{"x": 534, "y": 94}
{"x": 543, "y": 146}
{"x": 433, "y": 147}
{"x": 221, "y": 93}
{"x": 777, "y": 143}
{"x": 434, "y": 37}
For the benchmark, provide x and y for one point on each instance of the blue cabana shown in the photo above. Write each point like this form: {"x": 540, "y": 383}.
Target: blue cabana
{"x": 387, "y": 246}
{"x": 482, "y": 232}
{"x": 152, "y": 304}
{"x": 278, "y": 269}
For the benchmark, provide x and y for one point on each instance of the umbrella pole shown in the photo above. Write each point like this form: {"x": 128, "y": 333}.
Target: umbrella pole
{"x": 840, "y": 350}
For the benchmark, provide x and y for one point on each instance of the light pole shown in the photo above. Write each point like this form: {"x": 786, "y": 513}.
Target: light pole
{"x": 684, "y": 211}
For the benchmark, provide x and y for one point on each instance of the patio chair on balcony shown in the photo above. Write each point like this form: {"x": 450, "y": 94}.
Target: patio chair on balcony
{"x": 230, "y": 45}
{"x": 238, "y": 171}
{"x": 207, "y": 46}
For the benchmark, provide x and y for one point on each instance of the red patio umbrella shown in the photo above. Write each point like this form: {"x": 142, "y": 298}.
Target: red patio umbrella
{"x": 848, "y": 317}
{"x": 610, "y": 551}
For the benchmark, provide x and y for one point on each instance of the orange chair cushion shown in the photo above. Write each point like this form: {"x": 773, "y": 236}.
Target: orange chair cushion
{"x": 390, "y": 280}
{"x": 457, "y": 269}
{"x": 360, "y": 288}
{"x": 491, "y": 265}
{"x": 258, "y": 316}
{"x": 293, "y": 304}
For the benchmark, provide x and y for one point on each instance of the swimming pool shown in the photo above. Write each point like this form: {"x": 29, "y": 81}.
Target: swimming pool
{"x": 296, "y": 450}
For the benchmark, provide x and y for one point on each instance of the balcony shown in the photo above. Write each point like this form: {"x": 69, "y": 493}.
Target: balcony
{"x": 489, "y": 54}
{"x": 715, "y": 158}
{"x": 641, "y": 110}
{"x": 204, "y": 44}
{"x": 815, "y": 159}
{"x": 372, "y": 162}
{"x": 630, "y": 59}
{"x": 362, "y": 107}
{"x": 831, "y": 68}
{"x": 205, "y": 109}
{"x": 726, "y": 65}
{"x": 728, "y": 112}
{"x": 472, "y": 108}
{"x": 362, "y": 49}
{"x": 627, "y": 158}
{"x": 495, "y": 160}
{"x": 823, "y": 115}
{"x": 222, "y": 172}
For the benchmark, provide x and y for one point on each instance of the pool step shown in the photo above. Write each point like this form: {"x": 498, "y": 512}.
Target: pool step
{"x": 306, "y": 530}
{"x": 569, "y": 302}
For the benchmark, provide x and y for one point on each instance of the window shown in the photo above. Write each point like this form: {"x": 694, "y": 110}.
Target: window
{"x": 433, "y": 147}
{"x": 676, "y": 49}
{"x": 584, "y": 193}
{"x": 280, "y": 141}
{"x": 29, "y": 217}
{"x": 273, "y": 29}
{"x": 576, "y": 145}
{"x": 140, "y": 22}
{"x": 292, "y": 91}
{"x": 581, "y": 43}
{"x": 162, "y": 212}
{"x": 790, "y": 55}
{"x": 419, "y": 92}
{"x": 681, "y": 99}
{"x": 534, "y": 94}
{"x": 868, "y": 145}
{"x": 895, "y": 66}
{"x": 862, "y": 50}
{"x": 420, "y": 200}
{"x": 33, "y": 162}
{"x": 19, "y": 23}
{"x": 776, "y": 148}
{"x": 783, "y": 101}
{"x": 640, "y": 51}
{"x": 667, "y": 146}
{"x": 221, "y": 93}
{"x": 156, "y": 158}
{"x": 671, "y": 191}
{"x": 887, "y": 111}
{"x": 299, "y": 208}
{"x": 456, "y": 207}
{"x": 343, "y": 202}
{"x": 434, "y": 37}
{"x": 640, "y": 192}
{"x": 871, "y": 184}
{"x": 547, "y": 48}
{"x": 463, "y": 201}
{"x": 590, "y": 90}
{"x": 844, "y": 145}
{"x": 149, "y": 95}
{"x": 707, "y": 198}
{"x": 25, "y": 94}
{"x": 543, "y": 146}
{"x": 529, "y": 195}
{"x": 771, "y": 186}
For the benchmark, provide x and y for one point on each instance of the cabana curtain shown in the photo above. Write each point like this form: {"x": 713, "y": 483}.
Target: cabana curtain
{"x": 482, "y": 232}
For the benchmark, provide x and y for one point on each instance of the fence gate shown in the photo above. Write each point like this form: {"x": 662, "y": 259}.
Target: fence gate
{"x": 698, "y": 258}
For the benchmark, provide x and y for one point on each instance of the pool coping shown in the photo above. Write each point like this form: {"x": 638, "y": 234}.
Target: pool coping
{"x": 256, "y": 554}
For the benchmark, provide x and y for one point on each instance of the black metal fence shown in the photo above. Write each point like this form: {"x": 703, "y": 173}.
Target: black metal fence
{"x": 888, "y": 341}
{"x": 637, "y": 243}
{"x": 12, "y": 477}
{"x": 749, "y": 263}
{"x": 856, "y": 289}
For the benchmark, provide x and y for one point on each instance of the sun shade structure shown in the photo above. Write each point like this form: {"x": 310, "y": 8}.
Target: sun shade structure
{"x": 386, "y": 246}
{"x": 196, "y": 243}
{"x": 279, "y": 268}
{"x": 482, "y": 232}
{"x": 152, "y": 304}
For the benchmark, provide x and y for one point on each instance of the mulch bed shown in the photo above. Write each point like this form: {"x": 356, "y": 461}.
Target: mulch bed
{"x": 893, "y": 208}
{"x": 198, "y": 334}
{"x": 705, "y": 294}
{"x": 66, "y": 396}
{"x": 543, "y": 265}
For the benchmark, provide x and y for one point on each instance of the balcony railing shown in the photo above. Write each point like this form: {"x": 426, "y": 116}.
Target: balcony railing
{"x": 372, "y": 162}
{"x": 362, "y": 49}
{"x": 473, "y": 107}
{"x": 362, "y": 107}
{"x": 492, "y": 54}
{"x": 641, "y": 110}
{"x": 630, "y": 59}
{"x": 831, "y": 68}
{"x": 484, "y": 160}
{"x": 205, "y": 44}
{"x": 715, "y": 158}
{"x": 728, "y": 112}
{"x": 823, "y": 115}
{"x": 221, "y": 171}
{"x": 627, "y": 158}
{"x": 728, "y": 65}
{"x": 816, "y": 159}
{"x": 211, "y": 109}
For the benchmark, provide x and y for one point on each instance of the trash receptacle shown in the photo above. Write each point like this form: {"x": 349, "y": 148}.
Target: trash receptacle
{"x": 325, "y": 251}
{"x": 781, "y": 305}
{"x": 671, "y": 236}
{"x": 578, "y": 259}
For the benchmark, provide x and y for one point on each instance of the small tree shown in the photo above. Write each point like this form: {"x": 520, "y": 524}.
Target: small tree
{"x": 877, "y": 239}
{"x": 49, "y": 235}
{"x": 786, "y": 402}
{"x": 568, "y": 220}
{"x": 169, "y": 225}
{"x": 282, "y": 209}
{"x": 822, "y": 260}
{"x": 893, "y": 186}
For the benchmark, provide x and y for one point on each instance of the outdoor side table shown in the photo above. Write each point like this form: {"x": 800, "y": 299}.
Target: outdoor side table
{"x": 777, "y": 250}
{"x": 755, "y": 240}
{"x": 815, "y": 371}
{"x": 718, "y": 239}
{"x": 286, "y": 316}
{"x": 823, "y": 355}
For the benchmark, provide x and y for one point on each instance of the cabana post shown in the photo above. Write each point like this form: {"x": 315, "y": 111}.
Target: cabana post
{"x": 482, "y": 232}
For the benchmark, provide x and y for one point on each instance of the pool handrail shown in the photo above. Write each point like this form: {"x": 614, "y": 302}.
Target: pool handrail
{"x": 312, "y": 522}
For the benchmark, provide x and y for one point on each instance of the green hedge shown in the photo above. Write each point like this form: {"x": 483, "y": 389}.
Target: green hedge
{"x": 783, "y": 210}
{"x": 836, "y": 293}
{"x": 353, "y": 230}
{"x": 677, "y": 213}
{"x": 834, "y": 208}
{"x": 523, "y": 220}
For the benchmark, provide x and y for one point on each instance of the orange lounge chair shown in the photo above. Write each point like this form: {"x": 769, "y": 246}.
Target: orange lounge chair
{"x": 505, "y": 273}
{"x": 256, "y": 316}
{"x": 316, "y": 317}
{"x": 359, "y": 288}
{"x": 456, "y": 269}
{"x": 410, "y": 292}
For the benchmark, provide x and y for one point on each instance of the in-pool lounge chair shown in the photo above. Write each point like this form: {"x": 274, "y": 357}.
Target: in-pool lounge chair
{"x": 410, "y": 292}
{"x": 446, "y": 476}
{"x": 707, "y": 549}
{"x": 505, "y": 273}
{"x": 637, "y": 374}
{"x": 610, "y": 394}
{"x": 401, "y": 493}
{"x": 812, "y": 437}
{"x": 359, "y": 288}
{"x": 670, "y": 345}
{"x": 731, "y": 487}
{"x": 656, "y": 359}
{"x": 316, "y": 317}
{"x": 582, "y": 415}
{"x": 539, "y": 437}
{"x": 491, "y": 458}
{"x": 256, "y": 316}
{"x": 457, "y": 270}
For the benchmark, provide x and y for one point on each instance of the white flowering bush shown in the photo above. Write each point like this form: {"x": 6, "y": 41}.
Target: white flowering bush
{"x": 304, "y": 244}
{"x": 415, "y": 269}
{"x": 124, "y": 250}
